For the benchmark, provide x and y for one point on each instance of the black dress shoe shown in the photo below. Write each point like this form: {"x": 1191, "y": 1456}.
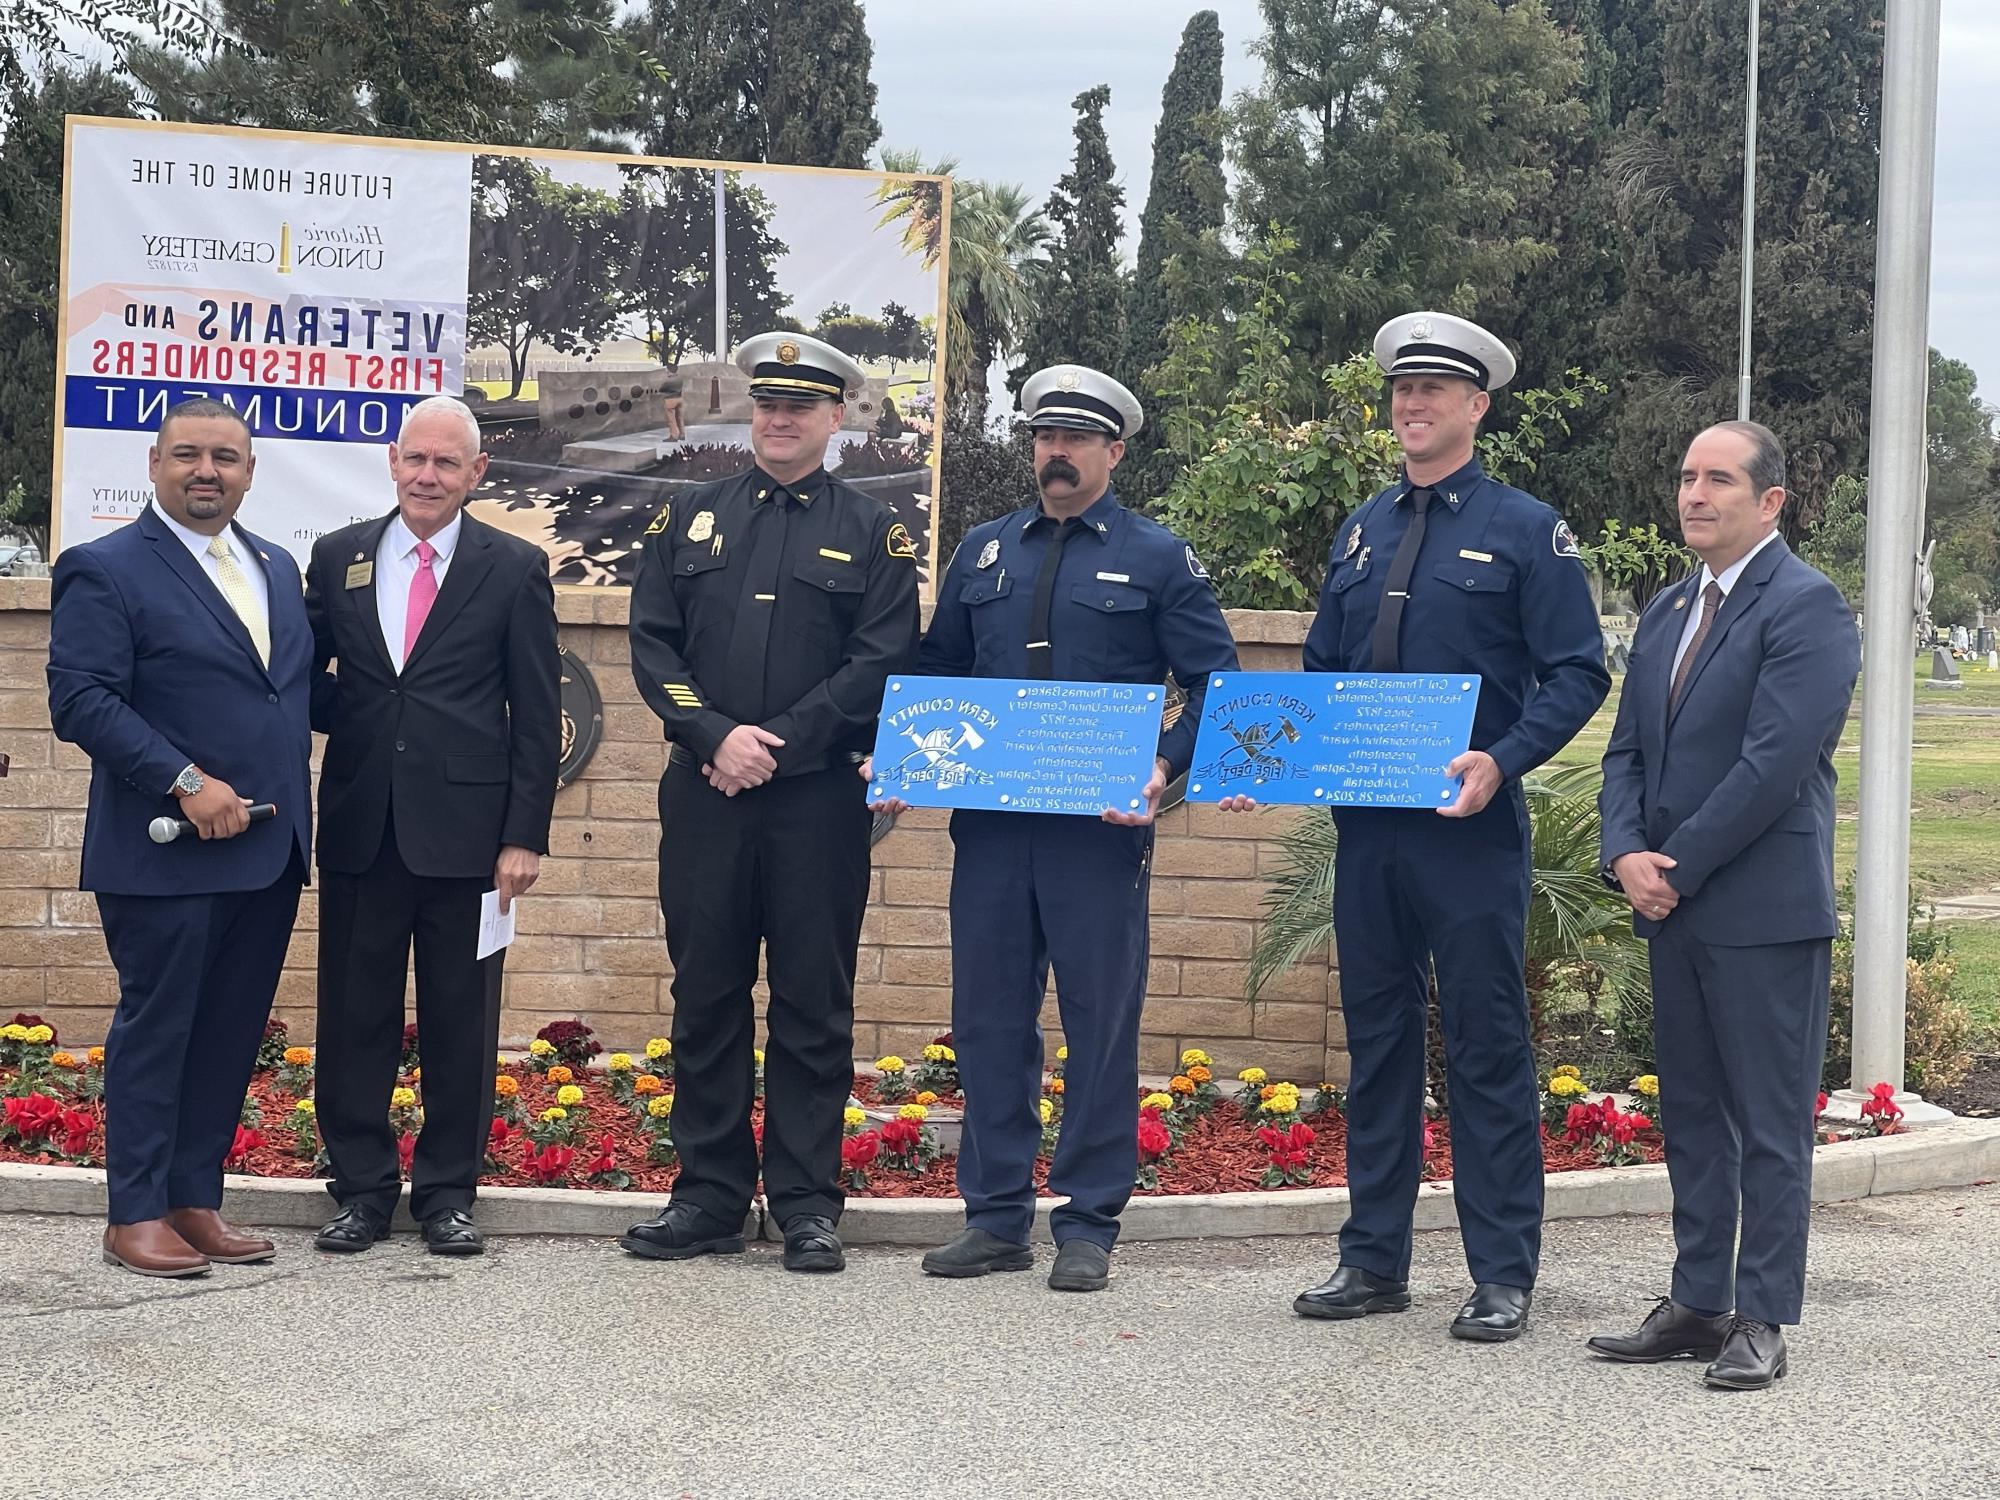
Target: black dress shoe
{"x": 1669, "y": 1332}
{"x": 1081, "y": 1266}
{"x": 1351, "y": 1292}
{"x": 1752, "y": 1358}
{"x": 451, "y": 1231}
{"x": 681, "y": 1231}
{"x": 355, "y": 1227}
{"x": 1493, "y": 1313}
{"x": 812, "y": 1245}
{"x": 974, "y": 1253}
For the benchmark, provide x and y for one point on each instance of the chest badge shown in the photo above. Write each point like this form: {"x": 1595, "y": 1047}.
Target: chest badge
{"x": 1362, "y": 561}
{"x": 702, "y": 526}
{"x": 1353, "y": 544}
{"x": 360, "y": 575}
{"x": 990, "y": 553}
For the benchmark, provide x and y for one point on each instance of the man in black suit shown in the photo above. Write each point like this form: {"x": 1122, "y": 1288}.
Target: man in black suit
{"x": 179, "y": 661}
{"x": 438, "y": 782}
{"x": 1718, "y": 826}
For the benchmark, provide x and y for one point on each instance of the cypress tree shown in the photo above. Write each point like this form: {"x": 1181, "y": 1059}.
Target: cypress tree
{"x": 1079, "y": 315}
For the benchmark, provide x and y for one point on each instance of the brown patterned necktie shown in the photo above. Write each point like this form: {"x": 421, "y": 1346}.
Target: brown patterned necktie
{"x": 1711, "y": 601}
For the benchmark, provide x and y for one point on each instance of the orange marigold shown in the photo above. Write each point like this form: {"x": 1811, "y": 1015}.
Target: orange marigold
{"x": 646, "y": 1083}
{"x": 63, "y": 1060}
{"x": 1180, "y": 1083}
{"x": 1200, "y": 1074}
{"x": 96, "y": 1056}
{"x": 506, "y": 1085}
{"x": 560, "y": 1075}
{"x": 926, "y": 1098}
{"x": 1267, "y": 1091}
{"x": 298, "y": 1057}
{"x": 1055, "y": 1085}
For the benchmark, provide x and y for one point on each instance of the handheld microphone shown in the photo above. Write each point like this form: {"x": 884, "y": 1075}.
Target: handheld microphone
{"x": 166, "y": 830}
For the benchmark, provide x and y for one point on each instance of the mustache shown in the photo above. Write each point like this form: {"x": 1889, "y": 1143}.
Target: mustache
{"x": 1058, "y": 468}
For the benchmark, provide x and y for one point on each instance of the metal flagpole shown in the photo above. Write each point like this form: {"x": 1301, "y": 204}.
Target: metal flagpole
{"x": 1749, "y": 221}
{"x": 721, "y": 275}
{"x": 1896, "y": 461}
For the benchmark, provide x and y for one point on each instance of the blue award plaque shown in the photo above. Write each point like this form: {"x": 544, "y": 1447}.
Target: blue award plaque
{"x": 1013, "y": 744}
{"x": 1332, "y": 739}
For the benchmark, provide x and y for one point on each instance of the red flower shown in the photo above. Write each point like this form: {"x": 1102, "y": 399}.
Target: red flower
{"x": 1287, "y": 1147}
{"x": 1301, "y": 1136}
{"x": 77, "y": 1124}
{"x": 604, "y": 1161}
{"x": 1155, "y": 1140}
{"x": 247, "y": 1140}
{"x": 1820, "y": 1108}
{"x": 34, "y": 1116}
{"x": 1881, "y": 1104}
{"x": 1431, "y": 1135}
{"x": 498, "y": 1135}
{"x": 901, "y": 1137}
{"x": 406, "y": 1151}
{"x": 857, "y": 1151}
{"x": 550, "y": 1164}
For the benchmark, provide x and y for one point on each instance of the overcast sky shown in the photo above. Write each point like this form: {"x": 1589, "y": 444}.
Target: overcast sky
{"x": 992, "y": 85}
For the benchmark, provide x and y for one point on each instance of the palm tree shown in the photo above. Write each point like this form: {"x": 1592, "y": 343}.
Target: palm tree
{"x": 996, "y": 233}
{"x": 919, "y": 206}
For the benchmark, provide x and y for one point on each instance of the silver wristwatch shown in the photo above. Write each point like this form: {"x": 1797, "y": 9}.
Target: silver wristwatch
{"x": 188, "y": 782}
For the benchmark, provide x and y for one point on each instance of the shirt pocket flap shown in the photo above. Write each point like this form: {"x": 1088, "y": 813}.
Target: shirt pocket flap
{"x": 475, "y": 768}
{"x": 1474, "y": 577}
{"x": 1109, "y": 598}
{"x": 985, "y": 590}
{"x": 1346, "y": 577}
{"x": 697, "y": 559}
{"x": 831, "y": 577}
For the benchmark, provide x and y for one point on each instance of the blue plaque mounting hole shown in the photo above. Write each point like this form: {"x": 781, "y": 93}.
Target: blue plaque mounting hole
{"x": 895, "y": 687}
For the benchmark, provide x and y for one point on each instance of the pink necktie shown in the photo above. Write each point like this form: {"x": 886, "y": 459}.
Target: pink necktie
{"x": 423, "y": 594}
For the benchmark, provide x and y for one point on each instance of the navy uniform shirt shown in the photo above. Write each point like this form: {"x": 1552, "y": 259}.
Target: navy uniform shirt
{"x": 842, "y": 603}
{"x": 1498, "y": 590}
{"x": 1132, "y": 602}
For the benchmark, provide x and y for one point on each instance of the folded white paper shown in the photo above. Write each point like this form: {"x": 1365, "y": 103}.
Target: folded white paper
{"x": 495, "y": 930}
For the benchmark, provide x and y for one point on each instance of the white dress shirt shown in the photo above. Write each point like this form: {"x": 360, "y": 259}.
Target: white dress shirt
{"x": 246, "y": 559}
{"x": 1727, "y": 578}
{"x": 396, "y": 569}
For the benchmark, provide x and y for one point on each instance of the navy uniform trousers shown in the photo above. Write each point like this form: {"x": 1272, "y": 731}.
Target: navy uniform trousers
{"x": 1412, "y": 889}
{"x": 1029, "y": 891}
{"x": 1740, "y": 1036}
{"x": 196, "y": 975}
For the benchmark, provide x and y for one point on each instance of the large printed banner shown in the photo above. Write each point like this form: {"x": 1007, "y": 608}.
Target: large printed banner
{"x": 583, "y": 304}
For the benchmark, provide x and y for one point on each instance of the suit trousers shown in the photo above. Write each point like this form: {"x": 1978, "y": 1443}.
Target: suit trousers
{"x": 369, "y": 924}
{"x": 1030, "y": 891}
{"x": 1740, "y": 1037}
{"x": 783, "y": 866}
{"x": 196, "y": 975}
{"x": 1412, "y": 891}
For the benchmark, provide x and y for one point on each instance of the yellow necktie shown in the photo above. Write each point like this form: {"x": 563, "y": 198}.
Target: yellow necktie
{"x": 242, "y": 598}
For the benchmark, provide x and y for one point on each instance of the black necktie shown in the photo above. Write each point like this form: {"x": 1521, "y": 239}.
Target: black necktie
{"x": 1041, "y": 653}
{"x": 749, "y": 642}
{"x": 1389, "y": 616}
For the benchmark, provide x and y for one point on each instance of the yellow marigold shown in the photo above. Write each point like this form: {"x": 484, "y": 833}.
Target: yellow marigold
{"x": 1157, "y": 1101}
{"x": 542, "y": 1047}
{"x": 506, "y": 1086}
{"x": 560, "y": 1075}
{"x": 658, "y": 1048}
{"x": 95, "y": 1056}
{"x": 1194, "y": 1058}
{"x": 63, "y": 1060}
{"x": 569, "y": 1096}
{"x": 1568, "y": 1070}
{"x": 661, "y": 1107}
{"x": 1200, "y": 1074}
{"x": 1567, "y": 1086}
{"x": 1062, "y": 1054}
{"x": 853, "y": 1117}
{"x": 1048, "y": 1111}
{"x": 14, "y": 1031}
{"x": 499, "y": 1059}
{"x": 555, "y": 1112}
{"x": 890, "y": 1064}
{"x": 1055, "y": 1085}
{"x": 41, "y": 1036}
{"x": 1281, "y": 1104}
{"x": 619, "y": 1062}
{"x": 646, "y": 1083}
{"x": 298, "y": 1057}
{"x": 936, "y": 1052}
{"x": 913, "y": 1112}
{"x": 1647, "y": 1084}
{"x": 305, "y": 1107}
{"x": 925, "y": 1096}
{"x": 757, "y": 1056}
{"x": 402, "y": 1098}
{"x": 1180, "y": 1083}
{"x": 1252, "y": 1076}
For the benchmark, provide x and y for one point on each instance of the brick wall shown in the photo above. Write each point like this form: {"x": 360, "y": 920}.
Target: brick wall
{"x": 590, "y": 939}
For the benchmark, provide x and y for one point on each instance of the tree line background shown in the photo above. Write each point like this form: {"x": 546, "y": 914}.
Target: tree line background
{"x": 1568, "y": 172}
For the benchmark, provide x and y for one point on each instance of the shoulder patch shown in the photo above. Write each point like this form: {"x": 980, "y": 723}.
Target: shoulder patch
{"x": 662, "y": 521}
{"x": 1564, "y": 541}
{"x": 900, "y": 543}
{"x": 1194, "y": 564}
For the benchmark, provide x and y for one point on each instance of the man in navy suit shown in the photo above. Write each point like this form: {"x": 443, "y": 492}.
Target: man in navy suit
{"x": 179, "y": 660}
{"x": 1718, "y": 826}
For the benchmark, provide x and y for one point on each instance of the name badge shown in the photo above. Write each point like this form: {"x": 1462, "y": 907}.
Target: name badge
{"x": 1470, "y": 556}
{"x": 836, "y": 556}
{"x": 360, "y": 575}
{"x": 1114, "y": 577}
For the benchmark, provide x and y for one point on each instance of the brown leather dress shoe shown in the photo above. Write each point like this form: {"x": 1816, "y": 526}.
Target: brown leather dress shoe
{"x": 151, "y": 1248}
{"x": 218, "y": 1239}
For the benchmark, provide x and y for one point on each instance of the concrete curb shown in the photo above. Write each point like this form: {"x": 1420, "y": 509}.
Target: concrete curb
{"x": 1956, "y": 1155}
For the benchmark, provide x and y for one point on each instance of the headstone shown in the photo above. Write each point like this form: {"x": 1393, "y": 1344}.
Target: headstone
{"x": 1621, "y": 658}
{"x": 1986, "y": 642}
{"x": 1944, "y": 671}
{"x": 1960, "y": 641}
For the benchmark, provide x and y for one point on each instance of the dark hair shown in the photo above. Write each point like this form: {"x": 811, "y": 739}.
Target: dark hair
{"x": 202, "y": 406}
{"x": 1766, "y": 464}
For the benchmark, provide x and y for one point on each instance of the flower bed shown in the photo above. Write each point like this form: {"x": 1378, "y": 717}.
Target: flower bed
{"x": 561, "y": 1122}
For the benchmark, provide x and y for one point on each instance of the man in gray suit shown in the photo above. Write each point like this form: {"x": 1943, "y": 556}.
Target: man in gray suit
{"x": 1718, "y": 827}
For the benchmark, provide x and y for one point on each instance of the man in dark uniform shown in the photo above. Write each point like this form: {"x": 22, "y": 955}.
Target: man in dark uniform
{"x": 1075, "y": 588}
{"x": 1448, "y": 570}
{"x": 767, "y": 613}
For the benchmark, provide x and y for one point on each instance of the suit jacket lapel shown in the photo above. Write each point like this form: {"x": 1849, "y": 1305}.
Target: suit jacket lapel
{"x": 1660, "y": 670}
{"x": 278, "y": 622}
{"x": 471, "y": 561}
{"x": 174, "y": 553}
{"x": 364, "y": 596}
{"x": 1742, "y": 599}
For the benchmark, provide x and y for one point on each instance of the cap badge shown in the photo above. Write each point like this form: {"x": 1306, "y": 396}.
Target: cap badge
{"x": 788, "y": 353}
{"x": 1068, "y": 380}
{"x": 1421, "y": 329}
